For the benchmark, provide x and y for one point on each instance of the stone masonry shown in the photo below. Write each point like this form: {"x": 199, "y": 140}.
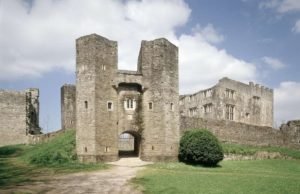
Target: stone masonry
{"x": 241, "y": 133}
{"x": 110, "y": 102}
{"x": 68, "y": 107}
{"x": 19, "y": 115}
{"x": 231, "y": 100}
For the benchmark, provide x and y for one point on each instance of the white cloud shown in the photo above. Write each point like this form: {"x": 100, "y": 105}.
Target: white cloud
{"x": 296, "y": 28}
{"x": 273, "y": 63}
{"x": 202, "y": 64}
{"x": 38, "y": 40}
{"x": 41, "y": 39}
{"x": 286, "y": 101}
{"x": 281, "y": 6}
{"x": 269, "y": 4}
{"x": 208, "y": 33}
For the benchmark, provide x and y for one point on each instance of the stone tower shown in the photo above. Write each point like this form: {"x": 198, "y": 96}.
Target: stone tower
{"x": 111, "y": 102}
{"x": 158, "y": 63}
{"x": 68, "y": 106}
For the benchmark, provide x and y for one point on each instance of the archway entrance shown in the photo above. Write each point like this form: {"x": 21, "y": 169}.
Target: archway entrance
{"x": 129, "y": 144}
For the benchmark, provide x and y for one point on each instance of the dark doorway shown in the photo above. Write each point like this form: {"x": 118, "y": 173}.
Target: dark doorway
{"x": 129, "y": 144}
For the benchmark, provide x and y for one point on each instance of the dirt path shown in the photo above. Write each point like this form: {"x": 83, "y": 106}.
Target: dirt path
{"x": 111, "y": 181}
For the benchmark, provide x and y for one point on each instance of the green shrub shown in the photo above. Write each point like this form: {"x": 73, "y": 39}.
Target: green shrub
{"x": 200, "y": 147}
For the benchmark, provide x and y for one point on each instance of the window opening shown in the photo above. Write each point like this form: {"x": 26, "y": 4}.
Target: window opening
{"x": 150, "y": 105}
{"x": 207, "y": 108}
{"x": 193, "y": 111}
{"x": 207, "y": 93}
{"x": 256, "y": 99}
{"x": 86, "y": 104}
{"x": 109, "y": 106}
{"x": 230, "y": 93}
{"x": 130, "y": 104}
{"x": 229, "y": 112}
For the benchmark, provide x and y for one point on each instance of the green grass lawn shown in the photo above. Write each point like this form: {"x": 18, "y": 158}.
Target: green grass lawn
{"x": 256, "y": 176}
{"x": 26, "y": 163}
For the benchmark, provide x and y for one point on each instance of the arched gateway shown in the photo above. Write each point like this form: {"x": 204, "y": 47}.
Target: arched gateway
{"x": 111, "y": 102}
{"x": 129, "y": 144}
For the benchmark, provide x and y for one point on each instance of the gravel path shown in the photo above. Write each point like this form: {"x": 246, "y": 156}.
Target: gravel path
{"x": 111, "y": 181}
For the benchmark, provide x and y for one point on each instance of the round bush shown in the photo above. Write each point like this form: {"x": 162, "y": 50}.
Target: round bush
{"x": 200, "y": 147}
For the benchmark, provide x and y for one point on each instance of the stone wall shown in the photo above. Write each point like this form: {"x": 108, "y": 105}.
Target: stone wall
{"x": 68, "y": 106}
{"x": 228, "y": 131}
{"x": 42, "y": 138}
{"x": 19, "y": 111}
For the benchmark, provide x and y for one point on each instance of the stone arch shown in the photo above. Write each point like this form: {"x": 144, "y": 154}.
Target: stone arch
{"x": 133, "y": 141}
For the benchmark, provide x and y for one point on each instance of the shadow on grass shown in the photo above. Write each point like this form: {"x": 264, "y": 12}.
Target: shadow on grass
{"x": 11, "y": 172}
{"x": 8, "y": 151}
{"x": 201, "y": 165}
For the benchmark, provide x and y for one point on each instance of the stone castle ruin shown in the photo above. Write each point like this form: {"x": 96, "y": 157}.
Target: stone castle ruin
{"x": 107, "y": 104}
{"x": 231, "y": 100}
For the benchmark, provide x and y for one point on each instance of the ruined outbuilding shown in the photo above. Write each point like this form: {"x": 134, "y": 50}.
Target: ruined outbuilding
{"x": 19, "y": 115}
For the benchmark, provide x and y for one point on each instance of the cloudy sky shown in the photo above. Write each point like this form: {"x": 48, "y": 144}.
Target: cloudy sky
{"x": 246, "y": 40}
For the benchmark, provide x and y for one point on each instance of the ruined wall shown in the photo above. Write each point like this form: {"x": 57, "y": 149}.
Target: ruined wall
{"x": 241, "y": 133}
{"x": 251, "y": 104}
{"x": 68, "y": 106}
{"x": 19, "y": 112}
{"x": 42, "y": 138}
{"x": 292, "y": 132}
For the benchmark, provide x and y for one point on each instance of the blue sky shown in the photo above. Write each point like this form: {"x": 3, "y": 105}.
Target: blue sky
{"x": 247, "y": 40}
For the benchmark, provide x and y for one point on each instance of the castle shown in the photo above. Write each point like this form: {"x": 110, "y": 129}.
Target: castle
{"x": 106, "y": 103}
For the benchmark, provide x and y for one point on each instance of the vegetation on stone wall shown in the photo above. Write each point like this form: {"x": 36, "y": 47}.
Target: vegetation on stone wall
{"x": 59, "y": 150}
{"x": 200, "y": 147}
{"x": 237, "y": 149}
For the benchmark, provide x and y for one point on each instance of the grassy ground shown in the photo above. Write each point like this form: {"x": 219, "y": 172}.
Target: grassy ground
{"x": 22, "y": 163}
{"x": 251, "y": 150}
{"x": 259, "y": 176}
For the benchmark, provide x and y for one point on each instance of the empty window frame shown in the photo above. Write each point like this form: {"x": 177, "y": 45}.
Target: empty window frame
{"x": 229, "y": 115}
{"x": 229, "y": 93}
{"x": 193, "y": 111}
{"x": 207, "y": 108}
{"x": 103, "y": 67}
{"x": 110, "y": 106}
{"x": 207, "y": 93}
{"x": 256, "y": 99}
